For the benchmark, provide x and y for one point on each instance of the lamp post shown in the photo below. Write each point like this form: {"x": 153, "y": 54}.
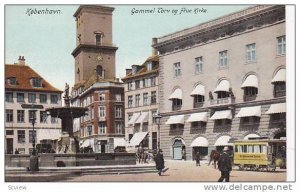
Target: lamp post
{"x": 34, "y": 160}
{"x": 157, "y": 121}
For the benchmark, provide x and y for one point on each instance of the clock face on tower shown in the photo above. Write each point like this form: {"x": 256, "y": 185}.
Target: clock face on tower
{"x": 99, "y": 57}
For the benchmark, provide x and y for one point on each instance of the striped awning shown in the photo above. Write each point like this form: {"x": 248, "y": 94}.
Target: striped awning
{"x": 277, "y": 108}
{"x": 223, "y": 141}
{"x": 177, "y": 94}
{"x": 199, "y": 142}
{"x": 48, "y": 134}
{"x": 119, "y": 142}
{"x": 280, "y": 76}
{"x": 176, "y": 119}
{"x": 199, "y": 90}
{"x": 197, "y": 117}
{"x": 249, "y": 112}
{"x": 251, "y": 81}
{"x": 143, "y": 117}
{"x": 137, "y": 138}
{"x": 225, "y": 114}
{"x": 133, "y": 119}
{"x": 224, "y": 85}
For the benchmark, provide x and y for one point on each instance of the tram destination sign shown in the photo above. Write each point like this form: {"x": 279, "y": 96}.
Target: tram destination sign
{"x": 31, "y": 106}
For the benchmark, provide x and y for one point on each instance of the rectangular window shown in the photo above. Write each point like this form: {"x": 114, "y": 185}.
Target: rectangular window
{"x": 102, "y": 111}
{"x": 118, "y": 97}
{"x": 279, "y": 89}
{"x": 177, "y": 69}
{"x": 20, "y": 97}
{"x": 198, "y": 65}
{"x": 153, "y": 97}
{"x": 137, "y": 100}
{"x": 32, "y": 135}
{"x": 43, "y": 117}
{"x": 129, "y": 116}
{"x": 130, "y": 101}
{"x": 98, "y": 38}
{"x": 53, "y": 120}
{"x": 89, "y": 130}
{"x": 154, "y": 114}
{"x": 145, "y": 99}
{"x": 137, "y": 84}
{"x": 32, "y": 115}
{"x": 251, "y": 52}
{"x": 153, "y": 81}
{"x": 118, "y": 112}
{"x": 149, "y": 66}
{"x": 9, "y": 115}
{"x": 223, "y": 63}
{"x": 130, "y": 87}
{"x": 43, "y": 98}
{"x": 9, "y": 97}
{"x": 9, "y": 132}
{"x": 281, "y": 45}
{"x": 31, "y": 98}
{"x": 102, "y": 97}
{"x": 20, "y": 116}
{"x": 176, "y": 104}
{"x": 36, "y": 82}
{"x": 119, "y": 127}
{"x": 21, "y": 136}
{"x": 102, "y": 128}
{"x": 145, "y": 82}
{"x": 198, "y": 101}
{"x": 54, "y": 99}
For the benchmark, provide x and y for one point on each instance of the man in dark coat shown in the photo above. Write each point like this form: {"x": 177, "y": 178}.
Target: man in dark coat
{"x": 159, "y": 161}
{"x": 197, "y": 158}
{"x": 224, "y": 165}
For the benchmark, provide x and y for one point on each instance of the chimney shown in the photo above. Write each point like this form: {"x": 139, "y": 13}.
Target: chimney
{"x": 21, "y": 60}
{"x": 128, "y": 71}
{"x": 154, "y": 51}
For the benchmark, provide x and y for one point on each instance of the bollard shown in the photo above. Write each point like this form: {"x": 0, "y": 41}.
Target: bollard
{"x": 34, "y": 163}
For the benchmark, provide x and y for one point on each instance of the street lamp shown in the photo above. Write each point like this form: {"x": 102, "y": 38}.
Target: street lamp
{"x": 34, "y": 161}
{"x": 157, "y": 121}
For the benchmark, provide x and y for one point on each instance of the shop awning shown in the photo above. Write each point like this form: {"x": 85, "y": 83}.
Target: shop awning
{"x": 200, "y": 142}
{"x": 226, "y": 114}
{"x": 249, "y": 111}
{"x": 251, "y": 81}
{"x": 143, "y": 117}
{"x": 137, "y": 138}
{"x": 224, "y": 85}
{"x": 176, "y": 119}
{"x": 133, "y": 119}
{"x": 280, "y": 76}
{"x": 177, "y": 94}
{"x": 197, "y": 117}
{"x": 119, "y": 142}
{"x": 199, "y": 90}
{"x": 87, "y": 143}
{"x": 223, "y": 141}
{"x": 252, "y": 135}
{"x": 48, "y": 134}
{"x": 277, "y": 108}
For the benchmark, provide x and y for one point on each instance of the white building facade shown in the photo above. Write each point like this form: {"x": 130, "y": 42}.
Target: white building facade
{"x": 223, "y": 80}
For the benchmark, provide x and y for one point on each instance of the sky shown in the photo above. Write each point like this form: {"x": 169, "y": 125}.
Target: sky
{"x": 47, "y": 40}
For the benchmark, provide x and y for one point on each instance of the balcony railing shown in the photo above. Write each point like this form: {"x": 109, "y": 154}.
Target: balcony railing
{"x": 222, "y": 101}
{"x": 198, "y": 104}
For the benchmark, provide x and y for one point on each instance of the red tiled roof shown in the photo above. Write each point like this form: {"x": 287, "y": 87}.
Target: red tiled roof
{"x": 23, "y": 74}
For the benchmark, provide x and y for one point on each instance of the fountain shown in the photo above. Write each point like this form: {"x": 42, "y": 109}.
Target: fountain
{"x": 67, "y": 143}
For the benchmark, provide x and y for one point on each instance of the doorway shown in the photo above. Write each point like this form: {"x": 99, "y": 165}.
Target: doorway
{"x": 9, "y": 145}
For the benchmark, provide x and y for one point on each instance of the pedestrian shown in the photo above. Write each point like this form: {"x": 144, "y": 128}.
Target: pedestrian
{"x": 183, "y": 154}
{"x": 16, "y": 151}
{"x": 197, "y": 158}
{"x": 224, "y": 165}
{"x": 160, "y": 162}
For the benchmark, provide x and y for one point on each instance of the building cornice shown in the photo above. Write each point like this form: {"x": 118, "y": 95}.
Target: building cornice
{"x": 233, "y": 24}
{"x": 144, "y": 74}
{"x": 90, "y": 47}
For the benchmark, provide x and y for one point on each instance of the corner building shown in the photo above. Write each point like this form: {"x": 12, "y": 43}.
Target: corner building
{"x": 95, "y": 84}
{"x": 223, "y": 80}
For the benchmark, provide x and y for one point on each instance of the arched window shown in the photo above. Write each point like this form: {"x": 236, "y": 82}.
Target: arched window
{"x": 250, "y": 86}
{"x": 279, "y": 83}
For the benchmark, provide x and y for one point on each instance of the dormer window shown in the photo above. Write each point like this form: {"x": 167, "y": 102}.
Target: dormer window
{"x": 149, "y": 66}
{"x": 12, "y": 81}
{"x": 36, "y": 82}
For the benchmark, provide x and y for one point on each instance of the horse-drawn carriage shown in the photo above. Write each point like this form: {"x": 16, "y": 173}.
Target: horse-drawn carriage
{"x": 260, "y": 154}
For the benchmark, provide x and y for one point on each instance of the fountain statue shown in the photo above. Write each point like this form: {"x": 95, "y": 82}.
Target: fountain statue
{"x": 67, "y": 143}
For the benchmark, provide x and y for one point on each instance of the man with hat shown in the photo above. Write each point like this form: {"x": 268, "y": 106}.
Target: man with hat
{"x": 224, "y": 165}
{"x": 159, "y": 161}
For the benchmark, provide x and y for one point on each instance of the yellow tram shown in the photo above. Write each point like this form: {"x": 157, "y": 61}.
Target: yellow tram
{"x": 260, "y": 154}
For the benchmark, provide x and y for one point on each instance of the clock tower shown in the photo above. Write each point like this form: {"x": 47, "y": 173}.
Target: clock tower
{"x": 94, "y": 52}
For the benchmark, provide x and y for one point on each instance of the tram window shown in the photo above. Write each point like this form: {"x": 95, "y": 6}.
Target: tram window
{"x": 257, "y": 149}
{"x": 250, "y": 149}
{"x": 245, "y": 149}
{"x": 264, "y": 149}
